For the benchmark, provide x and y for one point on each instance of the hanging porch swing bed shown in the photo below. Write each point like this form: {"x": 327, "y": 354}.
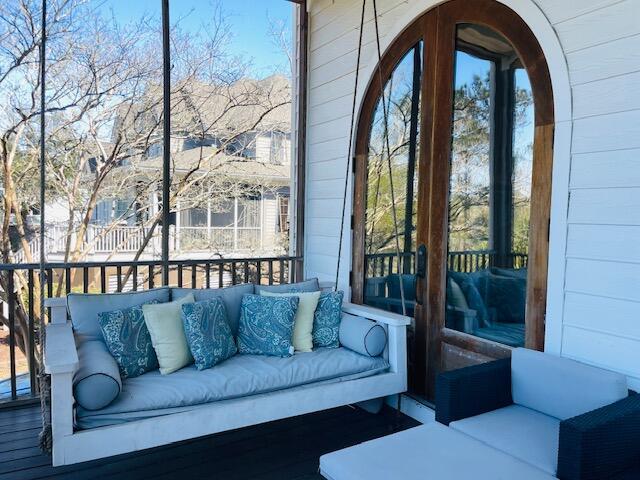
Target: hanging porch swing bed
{"x": 97, "y": 411}
{"x": 102, "y": 352}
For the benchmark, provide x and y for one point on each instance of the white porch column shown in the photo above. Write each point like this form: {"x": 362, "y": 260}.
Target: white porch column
{"x": 209, "y": 219}
{"x": 235, "y": 223}
{"x": 177, "y": 230}
{"x": 262, "y": 207}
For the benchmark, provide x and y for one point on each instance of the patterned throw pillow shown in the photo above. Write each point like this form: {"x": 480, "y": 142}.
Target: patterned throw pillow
{"x": 302, "y": 330}
{"x": 266, "y": 325}
{"x": 326, "y": 320}
{"x": 128, "y": 340}
{"x": 208, "y": 333}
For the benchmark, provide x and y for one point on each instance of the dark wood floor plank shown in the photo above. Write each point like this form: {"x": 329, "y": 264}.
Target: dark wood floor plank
{"x": 13, "y": 420}
{"x": 19, "y": 444}
{"x": 7, "y": 438}
{"x": 21, "y": 464}
{"x": 20, "y": 426}
{"x": 27, "y": 410}
{"x": 285, "y": 449}
{"x": 19, "y": 453}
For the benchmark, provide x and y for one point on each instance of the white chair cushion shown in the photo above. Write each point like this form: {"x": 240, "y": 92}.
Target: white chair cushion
{"x": 561, "y": 387}
{"x": 428, "y": 452}
{"x": 518, "y": 431}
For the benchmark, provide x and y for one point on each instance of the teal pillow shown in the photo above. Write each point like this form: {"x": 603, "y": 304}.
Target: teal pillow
{"x": 266, "y": 325}
{"x": 208, "y": 333}
{"x": 326, "y": 320}
{"x": 128, "y": 340}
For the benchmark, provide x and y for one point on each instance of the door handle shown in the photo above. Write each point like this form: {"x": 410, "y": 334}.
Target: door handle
{"x": 421, "y": 270}
{"x": 421, "y": 261}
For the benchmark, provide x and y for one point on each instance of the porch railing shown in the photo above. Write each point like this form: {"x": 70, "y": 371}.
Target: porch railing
{"x": 20, "y": 290}
{"x": 128, "y": 239}
{"x": 382, "y": 264}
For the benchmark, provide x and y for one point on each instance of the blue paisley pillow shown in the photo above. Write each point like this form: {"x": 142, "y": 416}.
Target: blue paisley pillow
{"x": 326, "y": 320}
{"x": 208, "y": 333}
{"x": 266, "y": 325}
{"x": 128, "y": 340}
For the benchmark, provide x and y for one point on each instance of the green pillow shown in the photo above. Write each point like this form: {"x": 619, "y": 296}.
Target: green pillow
{"x": 164, "y": 322}
{"x": 303, "y": 327}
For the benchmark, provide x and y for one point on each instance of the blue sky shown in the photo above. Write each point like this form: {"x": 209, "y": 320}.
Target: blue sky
{"x": 249, "y": 23}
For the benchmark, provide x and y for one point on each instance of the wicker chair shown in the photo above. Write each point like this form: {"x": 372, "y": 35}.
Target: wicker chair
{"x": 512, "y": 404}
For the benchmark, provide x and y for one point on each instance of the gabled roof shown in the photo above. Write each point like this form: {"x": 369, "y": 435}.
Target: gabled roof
{"x": 219, "y": 110}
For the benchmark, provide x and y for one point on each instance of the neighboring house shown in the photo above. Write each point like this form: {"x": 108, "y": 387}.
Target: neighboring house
{"x": 235, "y": 139}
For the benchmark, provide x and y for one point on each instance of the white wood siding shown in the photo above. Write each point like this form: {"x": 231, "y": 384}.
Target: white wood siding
{"x": 263, "y": 148}
{"x": 269, "y": 220}
{"x": 599, "y": 320}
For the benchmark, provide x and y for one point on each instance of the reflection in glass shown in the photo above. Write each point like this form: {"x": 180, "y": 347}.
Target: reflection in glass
{"x": 490, "y": 189}
{"x": 383, "y": 272}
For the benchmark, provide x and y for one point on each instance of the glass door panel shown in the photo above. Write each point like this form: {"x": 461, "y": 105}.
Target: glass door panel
{"x": 489, "y": 189}
{"x": 391, "y": 190}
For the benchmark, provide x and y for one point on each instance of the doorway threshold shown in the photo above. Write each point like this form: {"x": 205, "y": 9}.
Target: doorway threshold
{"x": 417, "y": 408}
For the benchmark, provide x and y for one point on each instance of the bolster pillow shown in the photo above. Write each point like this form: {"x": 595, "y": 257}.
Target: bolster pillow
{"x": 97, "y": 381}
{"x": 362, "y": 336}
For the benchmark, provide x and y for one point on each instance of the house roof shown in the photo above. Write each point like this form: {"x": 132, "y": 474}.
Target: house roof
{"x": 219, "y": 110}
{"x": 245, "y": 105}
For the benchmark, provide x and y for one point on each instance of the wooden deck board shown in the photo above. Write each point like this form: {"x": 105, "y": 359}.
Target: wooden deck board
{"x": 286, "y": 449}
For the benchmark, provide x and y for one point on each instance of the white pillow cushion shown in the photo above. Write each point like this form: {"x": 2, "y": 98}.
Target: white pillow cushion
{"x": 164, "y": 323}
{"x": 303, "y": 328}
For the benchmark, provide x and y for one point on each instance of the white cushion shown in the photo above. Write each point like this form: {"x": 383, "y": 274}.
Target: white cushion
{"x": 561, "y": 387}
{"x": 518, "y": 431}
{"x": 428, "y": 452}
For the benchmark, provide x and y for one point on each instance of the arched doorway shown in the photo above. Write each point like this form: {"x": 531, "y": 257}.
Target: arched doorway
{"x": 466, "y": 134}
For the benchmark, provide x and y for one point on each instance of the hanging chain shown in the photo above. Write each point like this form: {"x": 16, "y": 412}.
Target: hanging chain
{"x": 387, "y": 146}
{"x": 43, "y": 378}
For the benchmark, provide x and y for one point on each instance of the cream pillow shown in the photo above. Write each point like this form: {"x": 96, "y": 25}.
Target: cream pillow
{"x": 303, "y": 328}
{"x": 164, "y": 322}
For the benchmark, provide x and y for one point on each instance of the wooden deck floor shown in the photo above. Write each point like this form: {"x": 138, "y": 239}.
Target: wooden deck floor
{"x": 284, "y": 450}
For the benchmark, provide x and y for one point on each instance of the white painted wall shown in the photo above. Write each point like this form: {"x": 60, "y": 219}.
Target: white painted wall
{"x": 263, "y": 148}
{"x": 593, "y": 51}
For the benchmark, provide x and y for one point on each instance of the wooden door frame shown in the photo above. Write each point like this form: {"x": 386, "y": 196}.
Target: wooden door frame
{"x": 437, "y": 29}
{"x": 409, "y": 38}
